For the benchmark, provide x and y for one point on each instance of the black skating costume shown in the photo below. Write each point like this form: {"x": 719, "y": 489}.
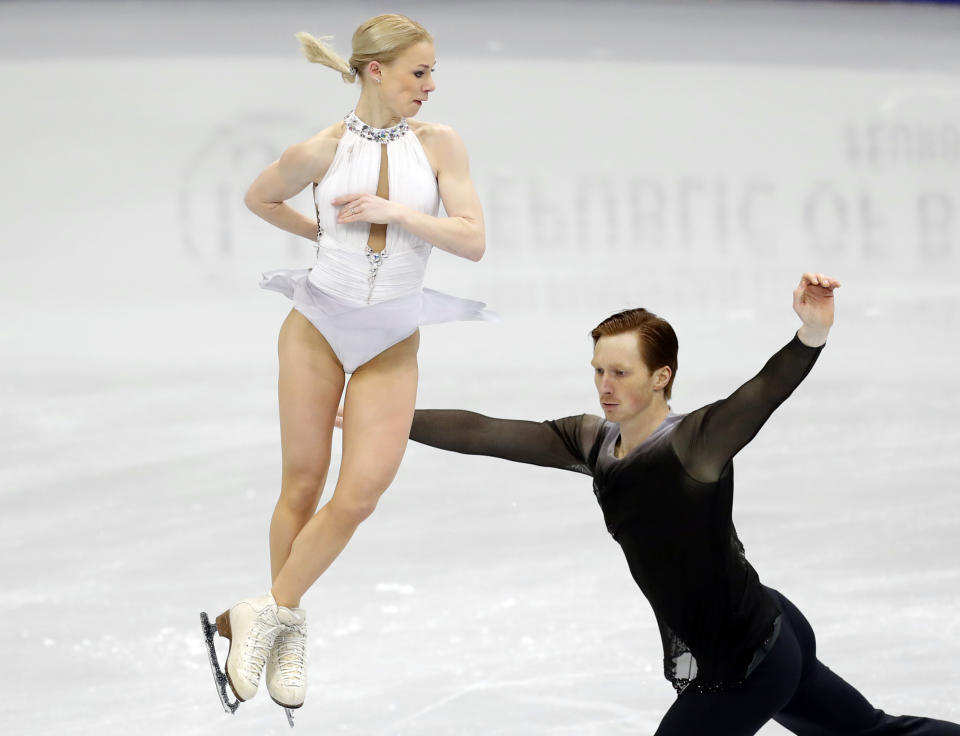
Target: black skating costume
{"x": 737, "y": 653}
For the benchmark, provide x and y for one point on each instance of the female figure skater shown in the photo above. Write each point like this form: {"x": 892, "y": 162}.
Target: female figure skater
{"x": 378, "y": 179}
{"x": 737, "y": 652}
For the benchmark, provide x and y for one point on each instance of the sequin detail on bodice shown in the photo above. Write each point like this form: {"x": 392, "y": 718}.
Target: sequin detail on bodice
{"x": 379, "y": 135}
{"x": 375, "y": 259}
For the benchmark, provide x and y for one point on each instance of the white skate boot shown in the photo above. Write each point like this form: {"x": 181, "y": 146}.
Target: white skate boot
{"x": 252, "y": 625}
{"x": 286, "y": 668}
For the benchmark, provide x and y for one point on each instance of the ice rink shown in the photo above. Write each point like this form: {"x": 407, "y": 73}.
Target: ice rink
{"x": 691, "y": 157}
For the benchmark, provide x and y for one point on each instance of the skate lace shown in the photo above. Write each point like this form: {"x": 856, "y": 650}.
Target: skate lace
{"x": 259, "y": 643}
{"x": 291, "y": 650}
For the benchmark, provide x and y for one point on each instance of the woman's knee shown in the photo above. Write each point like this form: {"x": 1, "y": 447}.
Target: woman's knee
{"x": 354, "y": 508}
{"x": 301, "y": 489}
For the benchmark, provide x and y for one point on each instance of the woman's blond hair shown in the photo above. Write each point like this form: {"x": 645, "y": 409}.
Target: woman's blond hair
{"x": 381, "y": 38}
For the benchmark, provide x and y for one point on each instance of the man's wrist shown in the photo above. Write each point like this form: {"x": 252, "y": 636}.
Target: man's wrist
{"x": 813, "y": 337}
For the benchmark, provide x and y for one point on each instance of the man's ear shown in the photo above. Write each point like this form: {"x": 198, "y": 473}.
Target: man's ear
{"x": 662, "y": 378}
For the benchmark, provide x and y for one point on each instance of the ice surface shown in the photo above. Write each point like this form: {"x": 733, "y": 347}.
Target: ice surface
{"x": 139, "y": 458}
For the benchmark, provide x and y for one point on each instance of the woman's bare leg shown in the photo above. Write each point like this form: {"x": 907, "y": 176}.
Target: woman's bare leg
{"x": 378, "y": 411}
{"x": 310, "y": 385}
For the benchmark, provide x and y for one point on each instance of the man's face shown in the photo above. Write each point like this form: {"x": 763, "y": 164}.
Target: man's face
{"x": 626, "y": 386}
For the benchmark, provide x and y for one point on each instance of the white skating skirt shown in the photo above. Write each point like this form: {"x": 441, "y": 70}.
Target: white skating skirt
{"x": 358, "y": 332}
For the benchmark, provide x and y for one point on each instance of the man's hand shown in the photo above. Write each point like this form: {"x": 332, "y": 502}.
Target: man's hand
{"x": 813, "y": 303}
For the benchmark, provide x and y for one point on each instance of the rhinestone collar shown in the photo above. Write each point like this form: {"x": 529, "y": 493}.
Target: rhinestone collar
{"x": 380, "y": 135}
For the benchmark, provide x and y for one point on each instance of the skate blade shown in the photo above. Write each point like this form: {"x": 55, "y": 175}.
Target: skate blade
{"x": 284, "y": 705}
{"x": 288, "y": 709}
{"x": 219, "y": 678}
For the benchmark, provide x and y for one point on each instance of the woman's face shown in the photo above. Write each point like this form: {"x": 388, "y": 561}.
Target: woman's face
{"x": 626, "y": 386}
{"x": 407, "y": 81}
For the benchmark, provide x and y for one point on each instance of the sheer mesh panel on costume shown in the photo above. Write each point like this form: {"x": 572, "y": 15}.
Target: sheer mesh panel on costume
{"x": 707, "y": 439}
{"x": 707, "y": 590}
{"x": 679, "y": 664}
{"x": 562, "y": 443}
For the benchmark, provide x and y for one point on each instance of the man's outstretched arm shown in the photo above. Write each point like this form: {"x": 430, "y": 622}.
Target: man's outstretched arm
{"x": 560, "y": 443}
{"x": 708, "y": 438}
{"x": 535, "y": 443}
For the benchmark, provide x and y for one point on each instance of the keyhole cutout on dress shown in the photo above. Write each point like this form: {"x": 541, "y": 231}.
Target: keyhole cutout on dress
{"x": 378, "y": 233}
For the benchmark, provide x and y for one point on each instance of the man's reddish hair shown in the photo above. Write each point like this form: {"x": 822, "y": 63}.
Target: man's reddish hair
{"x": 656, "y": 339}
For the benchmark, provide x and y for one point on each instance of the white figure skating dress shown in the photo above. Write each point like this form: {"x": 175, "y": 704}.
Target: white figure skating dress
{"x": 360, "y": 300}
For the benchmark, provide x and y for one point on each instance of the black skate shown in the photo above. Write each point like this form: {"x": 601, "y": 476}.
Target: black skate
{"x": 219, "y": 678}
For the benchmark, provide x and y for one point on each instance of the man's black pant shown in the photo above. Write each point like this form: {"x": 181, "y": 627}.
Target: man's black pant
{"x": 792, "y": 687}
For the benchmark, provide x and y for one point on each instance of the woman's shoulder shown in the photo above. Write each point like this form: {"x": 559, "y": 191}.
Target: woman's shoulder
{"x": 425, "y": 127}
{"x": 435, "y": 135}
{"x": 324, "y": 141}
{"x": 442, "y": 144}
{"x": 315, "y": 153}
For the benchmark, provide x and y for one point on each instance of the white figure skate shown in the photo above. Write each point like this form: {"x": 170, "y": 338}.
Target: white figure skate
{"x": 253, "y": 625}
{"x": 286, "y": 668}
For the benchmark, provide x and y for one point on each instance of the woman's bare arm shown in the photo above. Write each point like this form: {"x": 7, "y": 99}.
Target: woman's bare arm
{"x": 300, "y": 165}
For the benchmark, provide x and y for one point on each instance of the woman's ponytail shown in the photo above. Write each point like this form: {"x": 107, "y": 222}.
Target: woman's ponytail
{"x": 319, "y": 53}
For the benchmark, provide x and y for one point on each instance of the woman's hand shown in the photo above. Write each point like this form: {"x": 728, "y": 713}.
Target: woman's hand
{"x": 813, "y": 303}
{"x": 367, "y": 208}
{"x": 338, "y": 421}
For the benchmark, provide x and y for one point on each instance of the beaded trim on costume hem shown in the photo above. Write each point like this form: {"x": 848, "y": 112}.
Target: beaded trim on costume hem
{"x": 379, "y": 135}
{"x": 683, "y": 684}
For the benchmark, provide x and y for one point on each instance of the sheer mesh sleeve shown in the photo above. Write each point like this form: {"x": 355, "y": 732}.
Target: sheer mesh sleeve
{"x": 561, "y": 443}
{"x": 707, "y": 439}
